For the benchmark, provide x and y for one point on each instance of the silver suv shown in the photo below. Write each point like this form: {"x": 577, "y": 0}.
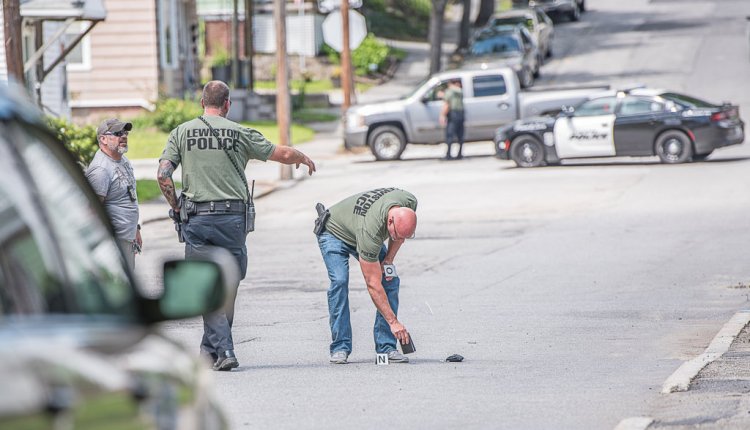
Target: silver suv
{"x": 79, "y": 343}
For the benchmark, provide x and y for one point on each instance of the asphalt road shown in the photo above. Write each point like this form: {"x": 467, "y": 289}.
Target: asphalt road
{"x": 572, "y": 291}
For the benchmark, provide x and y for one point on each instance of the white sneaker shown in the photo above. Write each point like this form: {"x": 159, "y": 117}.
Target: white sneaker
{"x": 397, "y": 357}
{"x": 339, "y": 357}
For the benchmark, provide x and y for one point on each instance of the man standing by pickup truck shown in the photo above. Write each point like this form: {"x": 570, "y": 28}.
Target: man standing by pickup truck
{"x": 452, "y": 117}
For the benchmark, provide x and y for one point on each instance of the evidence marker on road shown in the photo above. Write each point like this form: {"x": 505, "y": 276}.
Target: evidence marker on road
{"x": 381, "y": 359}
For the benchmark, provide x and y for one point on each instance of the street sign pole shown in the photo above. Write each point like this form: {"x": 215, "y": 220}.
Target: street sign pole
{"x": 282, "y": 82}
{"x": 346, "y": 58}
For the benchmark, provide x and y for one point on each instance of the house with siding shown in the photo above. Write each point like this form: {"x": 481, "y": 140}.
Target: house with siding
{"x": 117, "y": 64}
{"x": 144, "y": 49}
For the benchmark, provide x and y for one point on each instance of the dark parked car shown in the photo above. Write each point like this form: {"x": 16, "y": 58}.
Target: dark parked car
{"x": 79, "y": 345}
{"x": 505, "y": 46}
{"x": 642, "y": 122}
{"x": 561, "y": 8}
{"x": 535, "y": 20}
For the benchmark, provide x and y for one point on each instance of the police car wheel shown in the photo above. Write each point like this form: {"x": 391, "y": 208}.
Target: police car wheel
{"x": 387, "y": 142}
{"x": 527, "y": 151}
{"x": 674, "y": 147}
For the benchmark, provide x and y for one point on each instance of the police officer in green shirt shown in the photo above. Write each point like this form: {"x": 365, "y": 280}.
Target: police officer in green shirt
{"x": 214, "y": 153}
{"x": 452, "y": 117}
{"x": 357, "y": 227}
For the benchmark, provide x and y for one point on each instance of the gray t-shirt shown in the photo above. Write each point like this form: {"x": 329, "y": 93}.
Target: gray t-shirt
{"x": 114, "y": 180}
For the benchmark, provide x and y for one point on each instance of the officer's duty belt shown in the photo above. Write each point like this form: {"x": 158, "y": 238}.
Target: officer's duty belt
{"x": 220, "y": 207}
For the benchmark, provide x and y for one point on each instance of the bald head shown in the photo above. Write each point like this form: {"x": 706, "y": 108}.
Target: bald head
{"x": 215, "y": 94}
{"x": 402, "y": 222}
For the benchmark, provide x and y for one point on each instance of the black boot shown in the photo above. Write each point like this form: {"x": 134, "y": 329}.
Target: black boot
{"x": 226, "y": 361}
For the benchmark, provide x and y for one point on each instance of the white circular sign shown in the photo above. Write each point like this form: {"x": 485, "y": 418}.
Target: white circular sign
{"x": 333, "y": 30}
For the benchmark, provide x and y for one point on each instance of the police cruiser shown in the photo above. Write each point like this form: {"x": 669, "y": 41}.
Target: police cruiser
{"x": 639, "y": 122}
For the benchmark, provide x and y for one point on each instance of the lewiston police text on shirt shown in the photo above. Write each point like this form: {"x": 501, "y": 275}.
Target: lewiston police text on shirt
{"x": 201, "y": 138}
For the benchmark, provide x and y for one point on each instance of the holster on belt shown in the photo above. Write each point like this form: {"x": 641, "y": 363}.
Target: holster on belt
{"x": 321, "y": 220}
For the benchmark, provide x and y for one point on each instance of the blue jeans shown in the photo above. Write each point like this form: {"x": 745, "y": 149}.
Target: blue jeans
{"x": 224, "y": 231}
{"x": 336, "y": 254}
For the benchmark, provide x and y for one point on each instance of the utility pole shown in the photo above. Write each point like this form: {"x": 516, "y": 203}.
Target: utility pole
{"x": 235, "y": 45}
{"x": 13, "y": 42}
{"x": 346, "y": 58}
{"x": 249, "y": 48}
{"x": 282, "y": 82}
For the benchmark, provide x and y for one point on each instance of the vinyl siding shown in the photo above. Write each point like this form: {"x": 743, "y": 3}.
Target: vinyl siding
{"x": 124, "y": 57}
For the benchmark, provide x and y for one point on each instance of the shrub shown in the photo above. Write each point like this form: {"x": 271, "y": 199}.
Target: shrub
{"x": 80, "y": 141}
{"x": 172, "y": 112}
{"x": 370, "y": 51}
{"x": 221, "y": 57}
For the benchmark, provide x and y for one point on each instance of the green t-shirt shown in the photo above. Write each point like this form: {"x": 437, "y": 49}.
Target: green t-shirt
{"x": 455, "y": 98}
{"x": 207, "y": 173}
{"x": 361, "y": 220}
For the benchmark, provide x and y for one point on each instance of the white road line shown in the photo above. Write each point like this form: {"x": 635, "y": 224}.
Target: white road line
{"x": 634, "y": 423}
{"x": 681, "y": 378}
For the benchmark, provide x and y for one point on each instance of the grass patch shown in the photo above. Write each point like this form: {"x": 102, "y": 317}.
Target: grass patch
{"x": 148, "y": 189}
{"x": 150, "y": 142}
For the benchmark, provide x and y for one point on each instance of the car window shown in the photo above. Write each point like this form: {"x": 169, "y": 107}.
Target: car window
{"x": 66, "y": 259}
{"x": 436, "y": 92}
{"x": 601, "y": 106}
{"x": 505, "y": 44}
{"x": 637, "y": 106}
{"x": 491, "y": 85}
{"x": 687, "y": 101}
{"x": 514, "y": 20}
{"x": 31, "y": 276}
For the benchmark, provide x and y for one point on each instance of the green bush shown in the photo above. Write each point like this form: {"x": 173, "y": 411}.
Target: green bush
{"x": 80, "y": 141}
{"x": 172, "y": 112}
{"x": 370, "y": 51}
{"x": 398, "y": 19}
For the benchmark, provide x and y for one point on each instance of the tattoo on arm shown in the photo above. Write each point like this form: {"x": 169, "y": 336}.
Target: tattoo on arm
{"x": 164, "y": 177}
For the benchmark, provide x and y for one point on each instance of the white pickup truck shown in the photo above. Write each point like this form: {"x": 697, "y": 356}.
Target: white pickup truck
{"x": 492, "y": 98}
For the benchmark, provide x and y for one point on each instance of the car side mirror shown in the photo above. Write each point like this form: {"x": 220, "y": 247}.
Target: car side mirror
{"x": 194, "y": 287}
{"x": 191, "y": 288}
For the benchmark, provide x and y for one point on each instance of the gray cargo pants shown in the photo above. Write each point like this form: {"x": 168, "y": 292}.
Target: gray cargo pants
{"x": 224, "y": 231}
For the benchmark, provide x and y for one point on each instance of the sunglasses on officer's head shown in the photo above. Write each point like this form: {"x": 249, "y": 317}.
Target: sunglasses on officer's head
{"x": 116, "y": 133}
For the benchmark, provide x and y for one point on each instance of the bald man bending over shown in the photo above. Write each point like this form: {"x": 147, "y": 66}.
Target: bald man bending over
{"x": 358, "y": 226}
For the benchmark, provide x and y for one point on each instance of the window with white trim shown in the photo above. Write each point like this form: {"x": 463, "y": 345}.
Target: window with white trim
{"x": 79, "y": 59}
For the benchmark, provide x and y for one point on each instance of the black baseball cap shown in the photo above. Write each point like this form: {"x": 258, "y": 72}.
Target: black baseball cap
{"x": 113, "y": 125}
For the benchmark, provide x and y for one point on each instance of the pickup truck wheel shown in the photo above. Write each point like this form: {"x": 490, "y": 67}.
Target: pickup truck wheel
{"x": 674, "y": 147}
{"x": 387, "y": 142}
{"x": 527, "y": 151}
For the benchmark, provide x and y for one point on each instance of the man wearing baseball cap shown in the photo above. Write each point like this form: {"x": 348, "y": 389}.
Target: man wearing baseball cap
{"x": 111, "y": 176}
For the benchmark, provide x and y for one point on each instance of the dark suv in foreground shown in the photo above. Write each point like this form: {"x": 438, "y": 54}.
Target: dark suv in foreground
{"x": 79, "y": 348}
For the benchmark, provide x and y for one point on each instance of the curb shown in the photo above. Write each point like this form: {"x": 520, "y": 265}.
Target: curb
{"x": 680, "y": 380}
